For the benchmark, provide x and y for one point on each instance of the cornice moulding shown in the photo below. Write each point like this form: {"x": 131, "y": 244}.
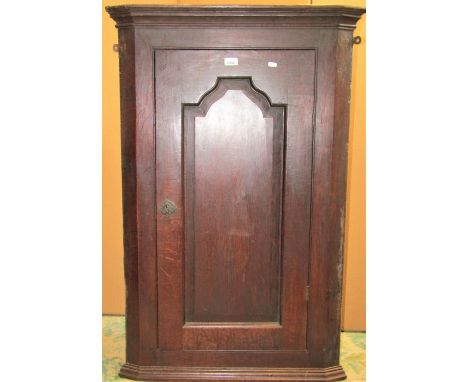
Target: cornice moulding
{"x": 235, "y": 16}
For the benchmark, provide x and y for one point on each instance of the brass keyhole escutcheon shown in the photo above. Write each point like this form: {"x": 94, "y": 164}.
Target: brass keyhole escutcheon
{"x": 168, "y": 207}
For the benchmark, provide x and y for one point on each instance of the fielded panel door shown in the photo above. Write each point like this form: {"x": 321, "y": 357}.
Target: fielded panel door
{"x": 233, "y": 139}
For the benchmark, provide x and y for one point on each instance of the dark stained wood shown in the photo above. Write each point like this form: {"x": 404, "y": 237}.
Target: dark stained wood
{"x": 129, "y": 192}
{"x": 162, "y": 373}
{"x": 223, "y": 16}
{"x": 243, "y": 280}
{"x": 232, "y": 257}
{"x": 293, "y": 84}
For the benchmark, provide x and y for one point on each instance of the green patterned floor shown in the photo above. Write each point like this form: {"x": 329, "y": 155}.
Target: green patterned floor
{"x": 353, "y": 351}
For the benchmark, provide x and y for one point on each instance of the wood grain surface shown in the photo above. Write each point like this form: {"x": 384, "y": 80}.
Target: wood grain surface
{"x": 247, "y": 270}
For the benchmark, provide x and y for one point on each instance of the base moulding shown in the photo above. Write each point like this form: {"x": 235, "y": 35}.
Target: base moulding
{"x": 233, "y": 374}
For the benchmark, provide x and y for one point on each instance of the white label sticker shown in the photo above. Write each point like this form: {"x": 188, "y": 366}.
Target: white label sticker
{"x": 272, "y": 64}
{"x": 231, "y": 61}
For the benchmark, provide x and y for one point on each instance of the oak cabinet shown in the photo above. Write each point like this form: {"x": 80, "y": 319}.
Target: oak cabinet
{"x": 234, "y": 158}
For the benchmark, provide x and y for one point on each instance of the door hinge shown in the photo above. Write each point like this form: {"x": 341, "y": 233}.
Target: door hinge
{"x": 307, "y": 292}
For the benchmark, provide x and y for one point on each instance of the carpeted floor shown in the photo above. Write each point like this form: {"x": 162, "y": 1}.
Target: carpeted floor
{"x": 353, "y": 351}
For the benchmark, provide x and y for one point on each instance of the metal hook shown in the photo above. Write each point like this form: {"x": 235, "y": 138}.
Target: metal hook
{"x": 357, "y": 40}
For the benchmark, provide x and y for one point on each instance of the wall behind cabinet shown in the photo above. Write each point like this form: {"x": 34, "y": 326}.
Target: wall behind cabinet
{"x": 113, "y": 287}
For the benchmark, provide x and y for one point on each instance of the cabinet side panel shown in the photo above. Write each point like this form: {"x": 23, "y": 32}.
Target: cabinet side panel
{"x": 339, "y": 171}
{"x": 138, "y": 196}
{"x": 329, "y": 197}
{"x": 146, "y": 205}
{"x": 128, "y": 114}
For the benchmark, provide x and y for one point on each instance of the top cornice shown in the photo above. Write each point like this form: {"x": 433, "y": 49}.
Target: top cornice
{"x": 235, "y": 16}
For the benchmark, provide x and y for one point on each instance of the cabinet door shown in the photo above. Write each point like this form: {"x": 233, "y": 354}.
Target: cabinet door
{"x": 234, "y": 133}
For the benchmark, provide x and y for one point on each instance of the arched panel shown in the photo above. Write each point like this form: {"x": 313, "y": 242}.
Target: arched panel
{"x": 233, "y": 204}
